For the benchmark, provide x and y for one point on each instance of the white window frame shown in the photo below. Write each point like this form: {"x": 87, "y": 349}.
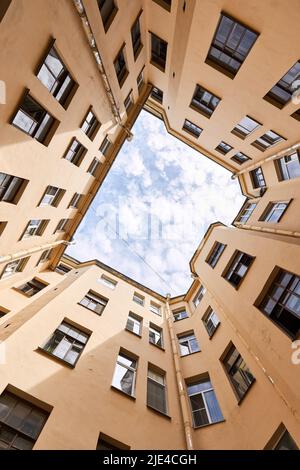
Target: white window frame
{"x": 141, "y": 299}
{"x": 108, "y": 282}
{"x": 137, "y": 321}
{"x": 187, "y": 337}
{"x": 199, "y": 296}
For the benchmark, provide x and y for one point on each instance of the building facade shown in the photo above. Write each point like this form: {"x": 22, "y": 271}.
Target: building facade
{"x": 84, "y": 348}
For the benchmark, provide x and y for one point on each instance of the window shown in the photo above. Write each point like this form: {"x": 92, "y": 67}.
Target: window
{"x": 199, "y": 296}
{"x": 257, "y": 178}
{"x": 128, "y": 103}
{"x": 240, "y": 158}
{"x": 274, "y": 211}
{"x": 188, "y": 344}
{"x": 289, "y": 166}
{"x": 125, "y": 374}
{"x": 136, "y": 38}
{"x": 35, "y": 228}
{"x": 32, "y": 287}
{"x": 62, "y": 269}
{"x": 155, "y": 308}
{"x": 156, "y": 390}
{"x": 108, "y": 11}
{"x": 2, "y": 226}
{"x": 246, "y": 212}
{"x": 75, "y": 201}
{"x": 13, "y": 267}
{"x": 11, "y": 188}
{"x": 204, "y": 404}
{"x": 158, "y": 52}
{"x": 286, "y": 442}
{"x": 296, "y": 115}
{"x": 45, "y": 256}
{"x": 56, "y": 78}
{"x": 166, "y": 4}
{"x": 108, "y": 282}
{"x": 215, "y": 254}
{"x": 267, "y": 140}
{"x": 238, "y": 372}
{"x": 180, "y": 314}
{"x": 204, "y": 101}
{"x": 105, "y": 146}
{"x": 5, "y": 4}
{"x": 134, "y": 324}
{"x": 62, "y": 225}
{"x": 192, "y": 128}
{"x": 3, "y": 311}
{"x": 155, "y": 335}
{"x": 52, "y": 196}
{"x": 224, "y": 148}
{"x": 108, "y": 443}
{"x": 21, "y": 422}
{"x": 92, "y": 169}
{"x": 157, "y": 95}
{"x": 282, "y": 92}
{"x": 281, "y": 303}
{"x": 245, "y": 127}
{"x": 120, "y": 67}
{"x": 75, "y": 152}
{"x": 90, "y": 125}
{"x": 140, "y": 80}
{"x": 67, "y": 343}
{"x": 139, "y": 299}
{"x": 94, "y": 302}
{"x": 34, "y": 120}
{"x": 238, "y": 268}
{"x": 211, "y": 321}
{"x": 230, "y": 46}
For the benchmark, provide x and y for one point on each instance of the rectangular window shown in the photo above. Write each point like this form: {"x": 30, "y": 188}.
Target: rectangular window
{"x": 199, "y": 296}
{"x": 211, "y": 321}
{"x": 204, "y": 101}
{"x": 296, "y": 115}
{"x": 245, "y": 127}
{"x": 136, "y": 38}
{"x": 120, "y": 67}
{"x": 67, "y": 343}
{"x": 75, "y": 152}
{"x": 94, "y": 302}
{"x": 156, "y": 390}
{"x": 35, "y": 228}
{"x": 285, "y": 442}
{"x": 3, "y": 311}
{"x": 155, "y": 335}
{"x": 223, "y": 148}
{"x": 215, "y": 254}
{"x": 140, "y": 80}
{"x": 105, "y": 146}
{"x": 230, "y": 46}
{"x": 128, "y": 103}
{"x": 62, "y": 269}
{"x": 246, "y": 212}
{"x": 108, "y": 11}
{"x": 204, "y": 404}
{"x": 56, "y": 78}
{"x": 32, "y": 287}
{"x": 188, "y": 343}
{"x": 240, "y": 158}
{"x": 155, "y": 308}
{"x": 108, "y": 443}
{"x": 125, "y": 374}
{"x": 2, "y": 226}
{"x": 269, "y": 139}
{"x": 139, "y": 299}
{"x": 274, "y": 211}
{"x": 157, "y": 94}
{"x": 238, "y": 268}
{"x": 238, "y": 372}
{"x": 95, "y": 164}
{"x": 282, "y": 302}
{"x": 166, "y": 4}
{"x": 45, "y": 256}
{"x": 134, "y": 324}
{"x": 21, "y": 422}
{"x": 62, "y": 225}
{"x": 11, "y": 188}
{"x": 257, "y": 178}
{"x": 34, "y": 120}
{"x": 90, "y": 125}
{"x": 108, "y": 282}
{"x": 13, "y": 267}
{"x": 192, "y": 128}
{"x": 289, "y": 166}
{"x": 75, "y": 201}
{"x": 180, "y": 314}
{"x": 282, "y": 92}
{"x": 52, "y": 196}
{"x": 159, "y": 49}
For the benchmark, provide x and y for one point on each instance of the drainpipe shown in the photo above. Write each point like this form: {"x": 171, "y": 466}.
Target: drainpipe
{"x": 30, "y": 251}
{"x": 276, "y": 231}
{"x": 180, "y": 383}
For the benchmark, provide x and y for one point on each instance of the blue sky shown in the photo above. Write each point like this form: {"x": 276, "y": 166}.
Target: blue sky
{"x": 156, "y": 203}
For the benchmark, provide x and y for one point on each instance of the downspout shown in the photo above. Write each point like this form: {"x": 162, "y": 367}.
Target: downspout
{"x": 179, "y": 379}
{"x": 30, "y": 251}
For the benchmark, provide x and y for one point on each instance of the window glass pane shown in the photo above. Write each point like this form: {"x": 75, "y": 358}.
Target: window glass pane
{"x": 213, "y": 406}
{"x": 123, "y": 379}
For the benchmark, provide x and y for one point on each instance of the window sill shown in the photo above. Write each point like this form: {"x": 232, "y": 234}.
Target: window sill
{"x": 89, "y": 309}
{"x": 157, "y": 346}
{"x": 157, "y": 65}
{"x": 22, "y": 293}
{"x": 201, "y": 111}
{"x": 117, "y": 390}
{"x": 221, "y": 69}
{"x": 190, "y": 354}
{"x": 133, "y": 333}
{"x": 240, "y": 400}
{"x": 180, "y": 319}
{"x": 209, "y": 424}
{"x": 55, "y": 358}
{"x": 161, "y": 413}
{"x": 191, "y": 133}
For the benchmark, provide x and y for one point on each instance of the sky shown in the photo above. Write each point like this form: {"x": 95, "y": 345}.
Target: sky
{"x": 154, "y": 207}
